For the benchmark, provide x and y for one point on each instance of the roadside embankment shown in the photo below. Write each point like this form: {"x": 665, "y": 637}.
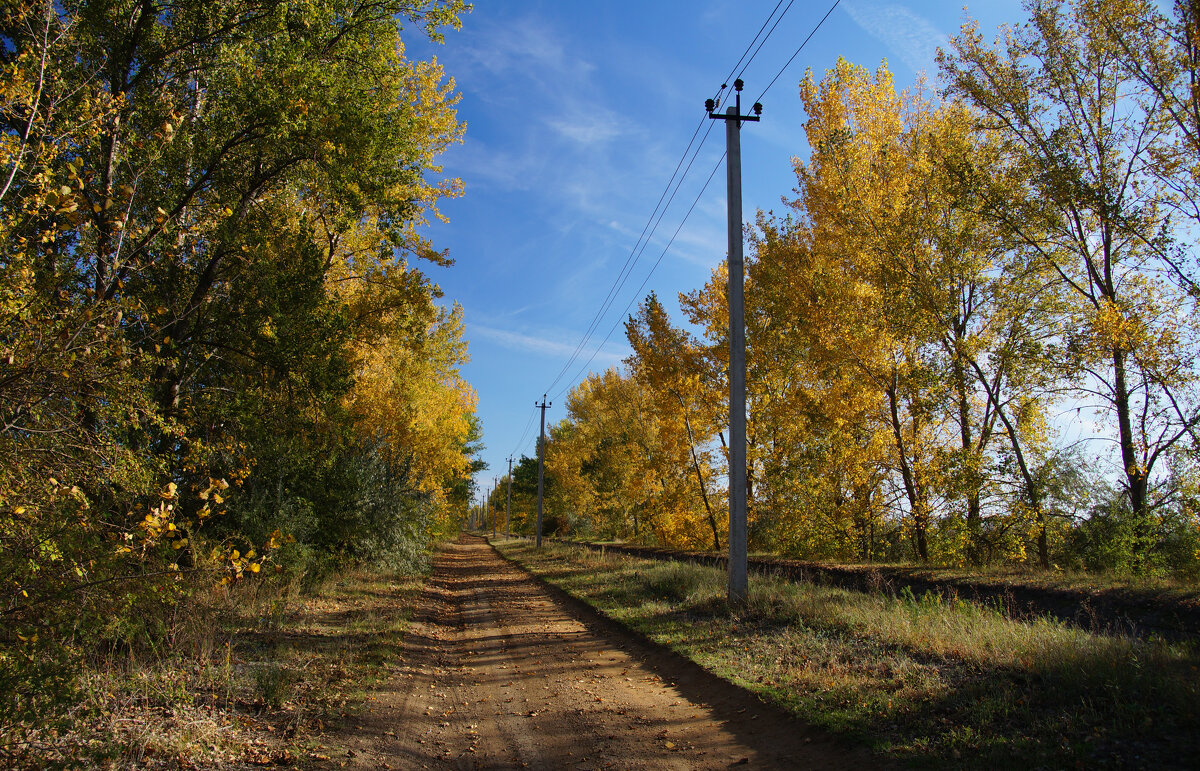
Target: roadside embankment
{"x": 1169, "y": 613}
{"x": 929, "y": 679}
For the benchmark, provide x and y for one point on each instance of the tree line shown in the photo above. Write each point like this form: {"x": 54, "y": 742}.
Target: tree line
{"x": 219, "y": 355}
{"x": 971, "y": 331}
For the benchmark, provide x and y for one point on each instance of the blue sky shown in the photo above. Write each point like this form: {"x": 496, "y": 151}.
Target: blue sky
{"x": 577, "y": 114}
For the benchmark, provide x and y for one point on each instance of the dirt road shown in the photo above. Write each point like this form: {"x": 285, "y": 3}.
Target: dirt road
{"x": 501, "y": 673}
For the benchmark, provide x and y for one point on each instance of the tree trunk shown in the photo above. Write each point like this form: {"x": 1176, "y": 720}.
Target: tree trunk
{"x": 1136, "y": 475}
{"x": 712, "y": 519}
{"x": 912, "y": 487}
{"x": 971, "y": 481}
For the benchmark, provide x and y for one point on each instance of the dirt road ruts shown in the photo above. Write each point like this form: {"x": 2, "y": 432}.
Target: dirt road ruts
{"x": 499, "y": 673}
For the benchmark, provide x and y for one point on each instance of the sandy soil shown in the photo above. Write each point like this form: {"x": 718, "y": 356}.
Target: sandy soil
{"x": 501, "y": 671}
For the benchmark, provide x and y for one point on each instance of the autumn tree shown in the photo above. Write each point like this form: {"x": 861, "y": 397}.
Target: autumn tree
{"x": 885, "y": 305}
{"x": 857, "y": 126}
{"x": 1089, "y": 138}
{"x": 524, "y": 494}
{"x": 830, "y": 438}
{"x": 620, "y": 470}
{"x": 666, "y": 365}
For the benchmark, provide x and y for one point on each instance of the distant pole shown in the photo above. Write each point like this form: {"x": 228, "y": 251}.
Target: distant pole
{"x": 738, "y": 584}
{"x": 495, "y": 511}
{"x": 508, "y": 503}
{"x": 541, "y": 466}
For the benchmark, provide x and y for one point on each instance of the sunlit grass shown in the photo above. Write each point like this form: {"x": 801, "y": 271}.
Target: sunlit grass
{"x": 929, "y": 679}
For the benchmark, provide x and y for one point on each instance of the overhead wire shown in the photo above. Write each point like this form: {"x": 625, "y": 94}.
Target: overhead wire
{"x": 803, "y": 43}
{"x": 631, "y": 260}
{"x": 524, "y": 433}
{"x": 651, "y": 223}
{"x": 654, "y": 267}
{"x": 641, "y": 250}
{"x": 764, "y": 40}
{"x": 751, "y": 45}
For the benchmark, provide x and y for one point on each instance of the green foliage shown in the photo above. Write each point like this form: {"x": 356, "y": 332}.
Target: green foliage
{"x": 207, "y": 214}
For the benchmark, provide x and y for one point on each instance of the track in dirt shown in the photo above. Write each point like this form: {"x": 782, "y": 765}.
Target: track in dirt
{"x": 499, "y": 672}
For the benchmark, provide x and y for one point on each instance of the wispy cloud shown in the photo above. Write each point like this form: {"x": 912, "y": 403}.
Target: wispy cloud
{"x": 588, "y": 128}
{"x": 524, "y": 50}
{"x": 912, "y": 37}
{"x": 578, "y": 159}
{"x": 477, "y": 163}
{"x": 541, "y": 345}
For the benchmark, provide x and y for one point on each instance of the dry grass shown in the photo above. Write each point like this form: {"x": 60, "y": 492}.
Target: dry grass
{"x": 932, "y": 680}
{"x": 259, "y": 688}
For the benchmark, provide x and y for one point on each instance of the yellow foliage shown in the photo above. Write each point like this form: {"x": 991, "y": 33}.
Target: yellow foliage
{"x": 410, "y": 397}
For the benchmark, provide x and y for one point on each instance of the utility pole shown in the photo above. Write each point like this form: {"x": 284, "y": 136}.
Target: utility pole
{"x": 738, "y": 585}
{"x": 495, "y": 511}
{"x": 508, "y": 503}
{"x": 541, "y": 465}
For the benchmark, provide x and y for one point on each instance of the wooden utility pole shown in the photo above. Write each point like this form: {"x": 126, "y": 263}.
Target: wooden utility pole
{"x": 541, "y": 466}
{"x": 738, "y": 584}
{"x": 508, "y": 503}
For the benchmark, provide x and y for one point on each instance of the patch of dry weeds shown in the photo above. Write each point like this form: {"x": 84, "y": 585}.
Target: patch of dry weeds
{"x": 259, "y": 687}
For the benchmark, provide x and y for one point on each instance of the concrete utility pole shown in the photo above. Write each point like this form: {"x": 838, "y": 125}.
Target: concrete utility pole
{"x": 541, "y": 466}
{"x": 495, "y": 509}
{"x": 508, "y": 503}
{"x": 738, "y": 585}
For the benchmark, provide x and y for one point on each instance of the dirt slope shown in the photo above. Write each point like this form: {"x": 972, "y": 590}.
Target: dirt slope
{"x": 500, "y": 673}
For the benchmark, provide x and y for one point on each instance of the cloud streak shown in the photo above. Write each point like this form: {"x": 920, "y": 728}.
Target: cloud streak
{"x": 587, "y": 129}
{"x": 912, "y": 37}
{"x": 539, "y": 345}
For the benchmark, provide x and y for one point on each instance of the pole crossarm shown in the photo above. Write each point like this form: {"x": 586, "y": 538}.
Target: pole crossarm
{"x": 711, "y": 105}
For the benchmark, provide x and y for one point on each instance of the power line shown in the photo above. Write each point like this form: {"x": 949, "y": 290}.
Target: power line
{"x": 634, "y": 253}
{"x": 788, "y": 63}
{"x": 654, "y": 267}
{"x": 729, "y": 77}
{"x": 644, "y": 244}
{"x": 765, "y": 39}
{"x": 528, "y": 425}
{"x": 639, "y": 246}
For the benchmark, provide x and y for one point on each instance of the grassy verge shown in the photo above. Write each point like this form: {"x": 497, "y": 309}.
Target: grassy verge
{"x": 258, "y": 689}
{"x": 931, "y": 680}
